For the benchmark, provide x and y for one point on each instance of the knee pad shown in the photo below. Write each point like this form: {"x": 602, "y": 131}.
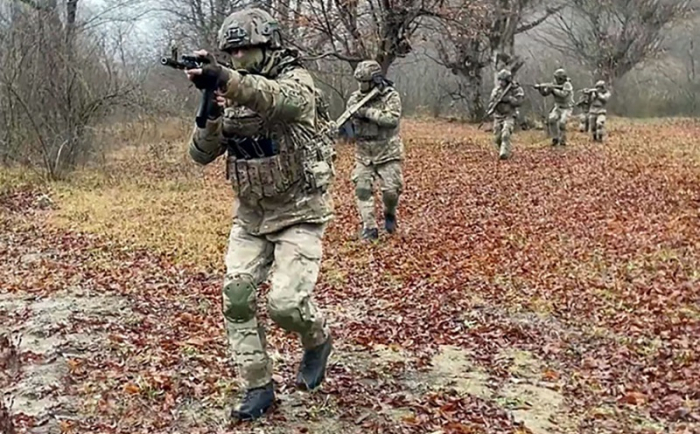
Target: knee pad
{"x": 390, "y": 198}
{"x": 239, "y": 298}
{"x": 363, "y": 192}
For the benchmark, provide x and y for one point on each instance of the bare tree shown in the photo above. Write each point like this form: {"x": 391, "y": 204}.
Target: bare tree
{"x": 351, "y": 31}
{"x": 611, "y": 37}
{"x": 58, "y": 78}
{"x": 194, "y": 24}
{"x": 468, "y": 40}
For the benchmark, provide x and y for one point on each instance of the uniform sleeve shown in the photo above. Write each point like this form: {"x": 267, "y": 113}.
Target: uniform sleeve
{"x": 206, "y": 143}
{"x": 389, "y": 115}
{"x": 517, "y": 96}
{"x": 603, "y": 96}
{"x": 283, "y": 99}
{"x": 494, "y": 93}
{"x": 565, "y": 91}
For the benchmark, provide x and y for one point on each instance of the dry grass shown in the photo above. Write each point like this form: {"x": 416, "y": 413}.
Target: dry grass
{"x": 150, "y": 194}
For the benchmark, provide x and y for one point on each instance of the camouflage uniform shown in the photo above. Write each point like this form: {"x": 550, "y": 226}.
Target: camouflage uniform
{"x": 269, "y": 132}
{"x": 563, "y": 105}
{"x": 505, "y": 112}
{"x": 379, "y": 149}
{"x": 584, "y": 104}
{"x": 597, "y": 113}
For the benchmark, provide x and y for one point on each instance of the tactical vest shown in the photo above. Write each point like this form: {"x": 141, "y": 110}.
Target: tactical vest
{"x": 265, "y": 159}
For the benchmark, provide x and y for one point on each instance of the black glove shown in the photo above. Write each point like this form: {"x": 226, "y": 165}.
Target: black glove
{"x": 213, "y": 75}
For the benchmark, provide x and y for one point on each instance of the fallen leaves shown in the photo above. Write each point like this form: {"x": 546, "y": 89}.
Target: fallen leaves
{"x": 587, "y": 258}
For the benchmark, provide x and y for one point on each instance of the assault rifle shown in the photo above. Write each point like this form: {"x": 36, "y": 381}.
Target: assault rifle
{"x": 193, "y": 62}
{"x": 548, "y": 86}
{"x": 585, "y": 100}
{"x": 492, "y": 106}
{"x": 379, "y": 84}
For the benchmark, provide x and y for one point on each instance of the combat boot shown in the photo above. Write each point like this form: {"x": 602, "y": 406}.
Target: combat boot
{"x": 312, "y": 370}
{"x": 370, "y": 233}
{"x": 555, "y": 141}
{"x": 255, "y": 403}
{"x": 390, "y": 223}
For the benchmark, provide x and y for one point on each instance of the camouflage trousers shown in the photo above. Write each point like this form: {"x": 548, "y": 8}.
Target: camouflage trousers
{"x": 502, "y": 131}
{"x": 558, "y": 118}
{"x": 390, "y": 183}
{"x": 292, "y": 258}
{"x": 597, "y": 125}
{"x": 583, "y": 125}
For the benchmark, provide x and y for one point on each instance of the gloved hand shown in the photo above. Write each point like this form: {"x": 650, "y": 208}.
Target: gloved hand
{"x": 361, "y": 113}
{"x": 211, "y": 75}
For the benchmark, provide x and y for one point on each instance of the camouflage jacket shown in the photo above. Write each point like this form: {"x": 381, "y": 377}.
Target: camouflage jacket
{"x": 265, "y": 131}
{"x": 509, "y": 102}
{"x": 564, "y": 98}
{"x": 598, "y": 102}
{"x": 377, "y": 134}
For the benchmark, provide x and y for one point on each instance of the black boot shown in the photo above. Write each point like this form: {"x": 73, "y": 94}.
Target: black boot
{"x": 390, "y": 223}
{"x": 370, "y": 234}
{"x": 312, "y": 370}
{"x": 255, "y": 403}
{"x": 555, "y": 141}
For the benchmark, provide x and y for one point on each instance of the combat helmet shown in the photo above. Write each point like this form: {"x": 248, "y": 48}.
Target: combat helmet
{"x": 367, "y": 70}
{"x": 504, "y": 75}
{"x": 560, "y": 74}
{"x": 600, "y": 84}
{"x": 249, "y": 28}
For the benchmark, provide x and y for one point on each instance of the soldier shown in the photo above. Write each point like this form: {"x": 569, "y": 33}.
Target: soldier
{"x": 597, "y": 113}
{"x": 379, "y": 149}
{"x": 506, "y": 100}
{"x": 584, "y": 104}
{"x": 563, "y": 93}
{"x": 280, "y": 169}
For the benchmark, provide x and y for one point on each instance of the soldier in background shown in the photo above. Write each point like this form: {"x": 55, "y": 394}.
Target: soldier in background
{"x": 507, "y": 97}
{"x": 280, "y": 168}
{"x": 378, "y": 149}
{"x": 584, "y": 104}
{"x": 563, "y": 92}
{"x": 599, "y": 97}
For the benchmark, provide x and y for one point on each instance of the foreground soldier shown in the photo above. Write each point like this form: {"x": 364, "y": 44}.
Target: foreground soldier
{"x": 379, "y": 150}
{"x": 563, "y": 92}
{"x": 280, "y": 212}
{"x": 507, "y": 100}
{"x": 597, "y": 113}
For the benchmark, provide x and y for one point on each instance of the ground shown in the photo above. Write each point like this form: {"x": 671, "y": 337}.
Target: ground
{"x": 558, "y": 292}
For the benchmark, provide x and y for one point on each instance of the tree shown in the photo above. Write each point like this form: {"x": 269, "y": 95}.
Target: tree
{"x": 470, "y": 39}
{"x": 611, "y": 37}
{"x": 352, "y": 31}
{"x": 57, "y": 79}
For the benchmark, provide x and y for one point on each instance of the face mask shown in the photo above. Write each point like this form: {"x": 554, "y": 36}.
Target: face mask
{"x": 365, "y": 86}
{"x": 249, "y": 59}
{"x": 502, "y": 83}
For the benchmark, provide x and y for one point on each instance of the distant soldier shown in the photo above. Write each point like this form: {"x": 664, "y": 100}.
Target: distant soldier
{"x": 504, "y": 103}
{"x": 584, "y": 104}
{"x": 563, "y": 92}
{"x": 599, "y": 96}
{"x": 379, "y": 149}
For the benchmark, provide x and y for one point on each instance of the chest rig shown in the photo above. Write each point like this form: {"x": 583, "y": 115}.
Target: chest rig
{"x": 265, "y": 159}
{"x": 261, "y": 160}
